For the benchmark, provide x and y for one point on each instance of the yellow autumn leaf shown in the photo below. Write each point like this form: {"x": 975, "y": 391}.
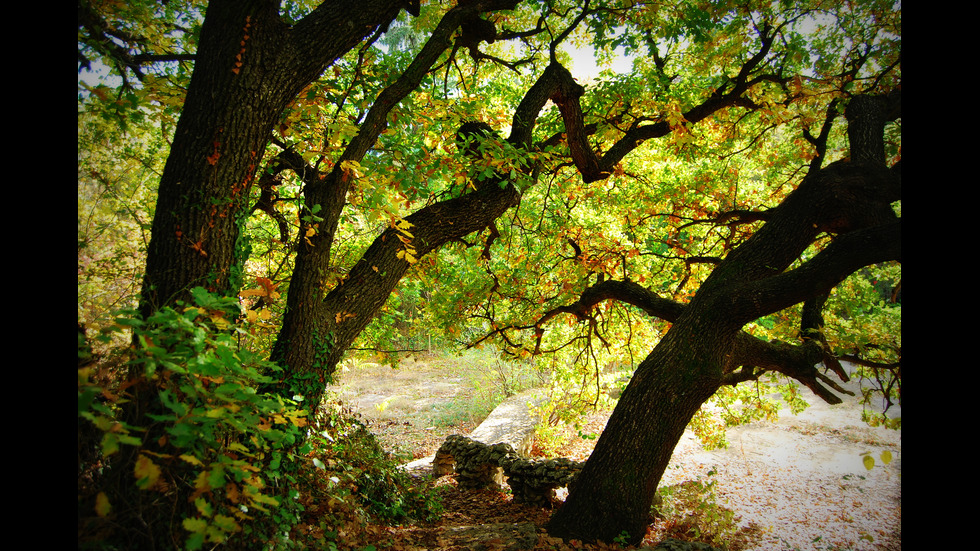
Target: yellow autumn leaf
{"x": 352, "y": 168}
{"x": 869, "y": 462}
{"x": 220, "y": 322}
{"x": 343, "y": 316}
{"x": 256, "y": 292}
{"x": 192, "y": 460}
{"x": 296, "y": 418}
{"x": 147, "y": 473}
{"x": 102, "y": 506}
{"x": 199, "y": 311}
{"x": 886, "y": 457}
{"x": 203, "y": 507}
{"x": 202, "y": 482}
{"x": 262, "y": 498}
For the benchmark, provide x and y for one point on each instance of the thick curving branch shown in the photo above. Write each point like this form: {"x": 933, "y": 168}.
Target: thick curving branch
{"x": 751, "y": 356}
{"x": 558, "y": 85}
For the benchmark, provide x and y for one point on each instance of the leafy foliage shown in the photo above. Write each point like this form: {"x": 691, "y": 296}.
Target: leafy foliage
{"x": 117, "y": 173}
{"x": 215, "y": 434}
{"x": 361, "y": 472}
{"x": 658, "y": 219}
{"x": 725, "y": 108}
{"x": 690, "y": 511}
{"x": 237, "y": 448}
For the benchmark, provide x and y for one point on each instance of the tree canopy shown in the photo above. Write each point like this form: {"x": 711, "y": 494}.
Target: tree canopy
{"x": 724, "y": 209}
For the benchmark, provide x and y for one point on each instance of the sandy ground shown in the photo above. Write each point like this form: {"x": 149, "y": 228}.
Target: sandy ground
{"x": 801, "y": 479}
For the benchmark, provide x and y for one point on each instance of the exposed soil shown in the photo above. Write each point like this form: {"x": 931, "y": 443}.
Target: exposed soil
{"x": 800, "y": 483}
{"x": 414, "y": 407}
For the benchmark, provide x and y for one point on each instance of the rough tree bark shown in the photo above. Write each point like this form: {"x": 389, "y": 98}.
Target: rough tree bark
{"x": 316, "y": 332}
{"x": 248, "y": 67}
{"x": 705, "y": 348}
{"x": 321, "y": 323}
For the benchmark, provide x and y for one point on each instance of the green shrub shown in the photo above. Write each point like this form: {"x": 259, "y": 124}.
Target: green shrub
{"x": 691, "y": 512}
{"x": 358, "y": 467}
{"x": 209, "y": 447}
{"x": 217, "y": 462}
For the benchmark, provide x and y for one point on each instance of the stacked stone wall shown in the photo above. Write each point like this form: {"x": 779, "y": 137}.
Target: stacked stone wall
{"x": 478, "y": 465}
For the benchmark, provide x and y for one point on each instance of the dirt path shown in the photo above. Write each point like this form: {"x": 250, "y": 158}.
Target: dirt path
{"x": 801, "y": 479}
{"x": 414, "y": 407}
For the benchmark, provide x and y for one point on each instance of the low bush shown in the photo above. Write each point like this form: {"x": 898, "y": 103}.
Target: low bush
{"x": 207, "y": 459}
{"x": 690, "y": 511}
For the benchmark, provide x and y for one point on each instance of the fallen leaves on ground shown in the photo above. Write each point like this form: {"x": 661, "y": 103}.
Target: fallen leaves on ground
{"x": 781, "y": 506}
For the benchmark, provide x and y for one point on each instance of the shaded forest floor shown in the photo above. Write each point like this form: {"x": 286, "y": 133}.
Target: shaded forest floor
{"x": 798, "y": 484}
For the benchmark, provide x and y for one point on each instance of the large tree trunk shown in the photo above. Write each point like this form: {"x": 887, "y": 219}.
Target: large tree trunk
{"x": 320, "y": 323}
{"x": 617, "y": 485}
{"x": 320, "y": 331}
{"x": 248, "y": 67}
{"x": 849, "y": 199}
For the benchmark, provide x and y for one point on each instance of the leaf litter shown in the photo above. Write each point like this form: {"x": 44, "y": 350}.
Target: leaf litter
{"x": 796, "y": 484}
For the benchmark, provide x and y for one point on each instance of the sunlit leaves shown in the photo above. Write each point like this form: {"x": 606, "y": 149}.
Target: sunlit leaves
{"x": 352, "y": 169}
{"x": 667, "y": 202}
{"x": 864, "y": 314}
{"x": 869, "y": 461}
{"x": 407, "y": 252}
{"x": 146, "y": 472}
{"x": 658, "y": 219}
{"x": 102, "y": 505}
{"x": 215, "y": 431}
{"x": 266, "y": 288}
{"x": 117, "y": 177}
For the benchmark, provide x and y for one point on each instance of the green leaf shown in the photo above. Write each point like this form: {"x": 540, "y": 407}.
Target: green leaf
{"x": 195, "y": 524}
{"x": 226, "y": 523}
{"x": 195, "y": 541}
{"x": 217, "y": 478}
